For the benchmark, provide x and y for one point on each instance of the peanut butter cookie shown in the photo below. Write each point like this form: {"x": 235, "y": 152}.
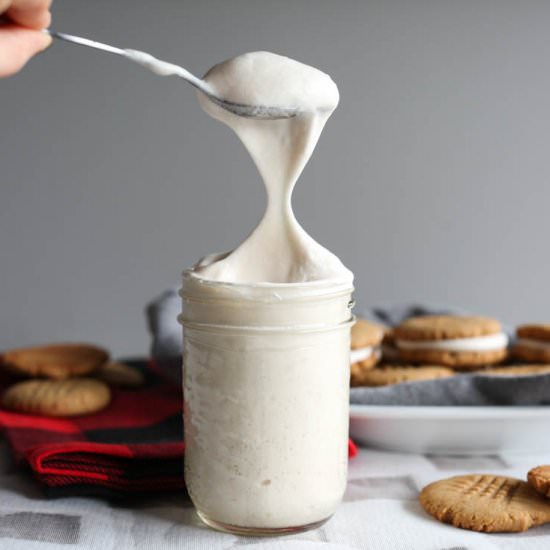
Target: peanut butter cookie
{"x": 72, "y": 397}
{"x": 386, "y": 375}
{"x": 486, "y": 503}
{"x": 57, "y": 361}
{"x": 515, "y": 370}
{"x": 539, "y": 479}
{"x": 120, "y": 375}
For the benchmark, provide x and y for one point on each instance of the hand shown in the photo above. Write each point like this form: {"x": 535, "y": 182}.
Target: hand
{"x": 20, "y": 32}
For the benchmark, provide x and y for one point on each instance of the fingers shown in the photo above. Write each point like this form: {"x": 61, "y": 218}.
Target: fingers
{"x": 18, "y": 45}
{"x": 28, "y": 13}
{"x": 18, "y": 39}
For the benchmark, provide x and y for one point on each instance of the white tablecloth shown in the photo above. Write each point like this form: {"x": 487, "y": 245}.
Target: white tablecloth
{"x": 380, "y": 512}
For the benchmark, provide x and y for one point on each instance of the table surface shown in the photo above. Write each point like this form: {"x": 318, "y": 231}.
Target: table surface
{"x": 380, "y": 512}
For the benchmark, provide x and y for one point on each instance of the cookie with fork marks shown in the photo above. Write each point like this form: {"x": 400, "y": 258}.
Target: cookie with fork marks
{"x": 488, "y": 503}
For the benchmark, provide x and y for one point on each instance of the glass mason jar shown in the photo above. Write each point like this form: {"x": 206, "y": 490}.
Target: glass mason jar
{"x": 266, "y": 398}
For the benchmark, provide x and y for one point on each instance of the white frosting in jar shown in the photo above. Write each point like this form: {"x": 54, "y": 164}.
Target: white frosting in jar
{"x": 533, "y": 344}
{"x": 278, "y": 250}
{"x": 491, "y": 342}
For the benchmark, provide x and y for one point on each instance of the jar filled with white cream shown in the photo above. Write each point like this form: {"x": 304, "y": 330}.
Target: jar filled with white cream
{"x": 266, "y": 397}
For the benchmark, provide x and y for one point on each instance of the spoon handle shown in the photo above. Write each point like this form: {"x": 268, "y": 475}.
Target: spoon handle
{"x": 85, "y": 42}
{"x": 173, "y": 69}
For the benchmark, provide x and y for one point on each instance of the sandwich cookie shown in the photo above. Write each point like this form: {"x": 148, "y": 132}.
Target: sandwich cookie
{"x": 390, "y": 353}
{"x": 454, "y": 341}
{"x": 532, "y": 344}
{"x": 366, "y": 338}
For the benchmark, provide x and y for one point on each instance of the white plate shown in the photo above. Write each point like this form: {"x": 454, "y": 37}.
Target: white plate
{"x": 452, "y": 430}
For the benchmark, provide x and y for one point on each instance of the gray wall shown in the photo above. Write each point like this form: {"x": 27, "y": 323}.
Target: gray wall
{"x": 431, "y": 180}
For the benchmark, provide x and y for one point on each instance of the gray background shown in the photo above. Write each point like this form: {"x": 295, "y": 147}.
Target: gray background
{"x": 431, "y": 181}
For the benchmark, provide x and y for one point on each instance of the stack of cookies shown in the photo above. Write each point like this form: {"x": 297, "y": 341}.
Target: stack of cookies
{"x": 439, "y": 346}
{"x": 63, "y": 379}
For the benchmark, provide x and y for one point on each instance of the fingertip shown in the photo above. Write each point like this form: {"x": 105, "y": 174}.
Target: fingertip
{"x": 32, "y": 14}
{"x": 47, "y": 41}
{"x": 17, "y": 46}
{"x": 46, "y": 20}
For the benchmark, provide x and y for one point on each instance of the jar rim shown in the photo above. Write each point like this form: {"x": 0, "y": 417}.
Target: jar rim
{"x": 300, "y": 290}
{"x": 296, "y": 329}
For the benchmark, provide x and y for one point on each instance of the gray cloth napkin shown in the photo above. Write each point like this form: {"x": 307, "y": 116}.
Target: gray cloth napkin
{"x": 463, "y": 389}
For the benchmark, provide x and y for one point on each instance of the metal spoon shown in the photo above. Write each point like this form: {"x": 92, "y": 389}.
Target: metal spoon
{"x": 262, "y": 112}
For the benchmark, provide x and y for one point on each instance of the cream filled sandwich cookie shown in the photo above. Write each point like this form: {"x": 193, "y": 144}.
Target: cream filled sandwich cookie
{"x": 532, "y": 343}
{"x": 390, "y": 353}
{"x": 455, "y": 341}
{"x": 366, "y": 339}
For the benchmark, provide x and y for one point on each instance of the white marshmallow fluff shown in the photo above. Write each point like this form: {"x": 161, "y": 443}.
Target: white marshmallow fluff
{"x": 278, "y": 250}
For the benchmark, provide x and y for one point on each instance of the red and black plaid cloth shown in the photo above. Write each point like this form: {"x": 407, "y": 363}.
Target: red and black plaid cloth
{"x": 133, "y": 446}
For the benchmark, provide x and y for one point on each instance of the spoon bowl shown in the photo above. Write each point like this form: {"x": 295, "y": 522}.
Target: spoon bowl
{"x": 163, "y": 68}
